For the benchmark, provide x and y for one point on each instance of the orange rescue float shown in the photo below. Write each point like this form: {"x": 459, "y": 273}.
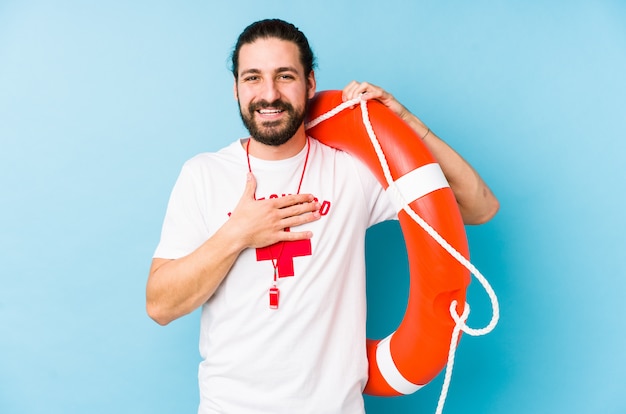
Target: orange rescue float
{"x": 418, "y": 350}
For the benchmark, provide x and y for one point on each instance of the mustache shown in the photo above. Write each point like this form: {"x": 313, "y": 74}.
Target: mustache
{"x": 263, "y": 104}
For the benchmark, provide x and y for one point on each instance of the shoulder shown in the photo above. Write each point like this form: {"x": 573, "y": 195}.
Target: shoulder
{"x": 229, "y": 155}
{"x": 340, "y": 155}
{"x": 331, "y": 152}
{"x": 347, "y": 165}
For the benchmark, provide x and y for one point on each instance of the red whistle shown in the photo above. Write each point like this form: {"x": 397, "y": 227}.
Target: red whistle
{"x": 274, "y": 295}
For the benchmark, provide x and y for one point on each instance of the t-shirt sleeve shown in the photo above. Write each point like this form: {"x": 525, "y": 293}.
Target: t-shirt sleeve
{"x": 184, "y": 227}
{"x": 380, "y": 205}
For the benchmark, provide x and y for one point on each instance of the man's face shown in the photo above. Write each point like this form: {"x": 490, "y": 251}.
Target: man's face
{"x": 272, "y": 90}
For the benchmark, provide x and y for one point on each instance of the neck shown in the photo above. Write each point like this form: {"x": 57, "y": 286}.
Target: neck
{"x": 280, "y": 152}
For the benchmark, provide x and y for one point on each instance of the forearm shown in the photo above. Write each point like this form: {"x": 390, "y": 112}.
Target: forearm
{"x": 178, "y": 287}
{"x": 476, "y": 202}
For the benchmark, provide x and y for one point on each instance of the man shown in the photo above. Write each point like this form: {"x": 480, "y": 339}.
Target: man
{"x": 267, "y": 235}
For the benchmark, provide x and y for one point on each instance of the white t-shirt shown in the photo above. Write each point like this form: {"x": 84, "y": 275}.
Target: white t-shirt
{"x": 309, "y": 355}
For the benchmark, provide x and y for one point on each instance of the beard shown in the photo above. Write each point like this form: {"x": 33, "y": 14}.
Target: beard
{"x": 273, "y": 133}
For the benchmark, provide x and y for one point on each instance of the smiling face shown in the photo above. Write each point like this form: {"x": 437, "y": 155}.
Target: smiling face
{"x": 272, "y": 90}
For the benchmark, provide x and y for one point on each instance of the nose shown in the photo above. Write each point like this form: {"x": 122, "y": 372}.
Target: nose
{"x": 270, "y": 91}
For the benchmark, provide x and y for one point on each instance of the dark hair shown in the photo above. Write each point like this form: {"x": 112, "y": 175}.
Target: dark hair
{"x": 279, "y": 29}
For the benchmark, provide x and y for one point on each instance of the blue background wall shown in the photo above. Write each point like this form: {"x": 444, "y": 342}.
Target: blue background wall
{"x": 101, "y": 103}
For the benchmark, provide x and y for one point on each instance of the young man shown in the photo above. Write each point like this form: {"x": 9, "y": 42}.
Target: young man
{"x": 267, "y": 235}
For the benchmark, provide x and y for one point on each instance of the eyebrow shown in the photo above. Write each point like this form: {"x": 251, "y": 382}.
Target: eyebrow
{"x": 287, "y": 69}
{"x": 281, "y": 69}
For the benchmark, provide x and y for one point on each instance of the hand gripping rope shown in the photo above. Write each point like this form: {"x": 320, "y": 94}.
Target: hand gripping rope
{"x": 459, "y": 320}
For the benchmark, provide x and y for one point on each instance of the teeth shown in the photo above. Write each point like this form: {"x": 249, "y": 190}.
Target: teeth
{"x": 269, "y": 111}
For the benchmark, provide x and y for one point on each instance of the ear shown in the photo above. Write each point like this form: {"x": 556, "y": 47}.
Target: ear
{"x": 235, "y": 90}
{"x": 311, "y": 85}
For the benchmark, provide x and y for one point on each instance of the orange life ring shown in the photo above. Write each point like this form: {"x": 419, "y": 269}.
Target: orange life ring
{"x": 418, "y": 350}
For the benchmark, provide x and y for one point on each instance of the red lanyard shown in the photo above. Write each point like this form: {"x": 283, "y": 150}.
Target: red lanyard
{"x": 306, "y": 160}
{"x": 274, "y": 292}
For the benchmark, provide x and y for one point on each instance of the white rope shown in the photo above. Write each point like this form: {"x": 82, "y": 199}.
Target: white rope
{"x": 459, "y": 321}
{"x": 331, "y": 113}
{"x": 455, "y": 338}
{"x": 460, "y": 324}
{"x": 433, "y": 233}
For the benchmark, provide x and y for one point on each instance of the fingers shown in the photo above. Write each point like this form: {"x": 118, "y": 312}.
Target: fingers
{"x": 285, "y": 206}
{"x": 291, "y": 200}
{"x": 267, "y": 221}
{"x": 368, "y": 91}
{"x": 299, "y": 214}
{"x": 364, "y": 90}
{"x": 282, "y": 202}
{"x": 349, "y": 92}
{"x": 290, "y": 211}
{"x": 287, "y": 213}
{"x": 275, "y": 225}
{"x": 250, "y": 187}
{"x": 296, "y": 235}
